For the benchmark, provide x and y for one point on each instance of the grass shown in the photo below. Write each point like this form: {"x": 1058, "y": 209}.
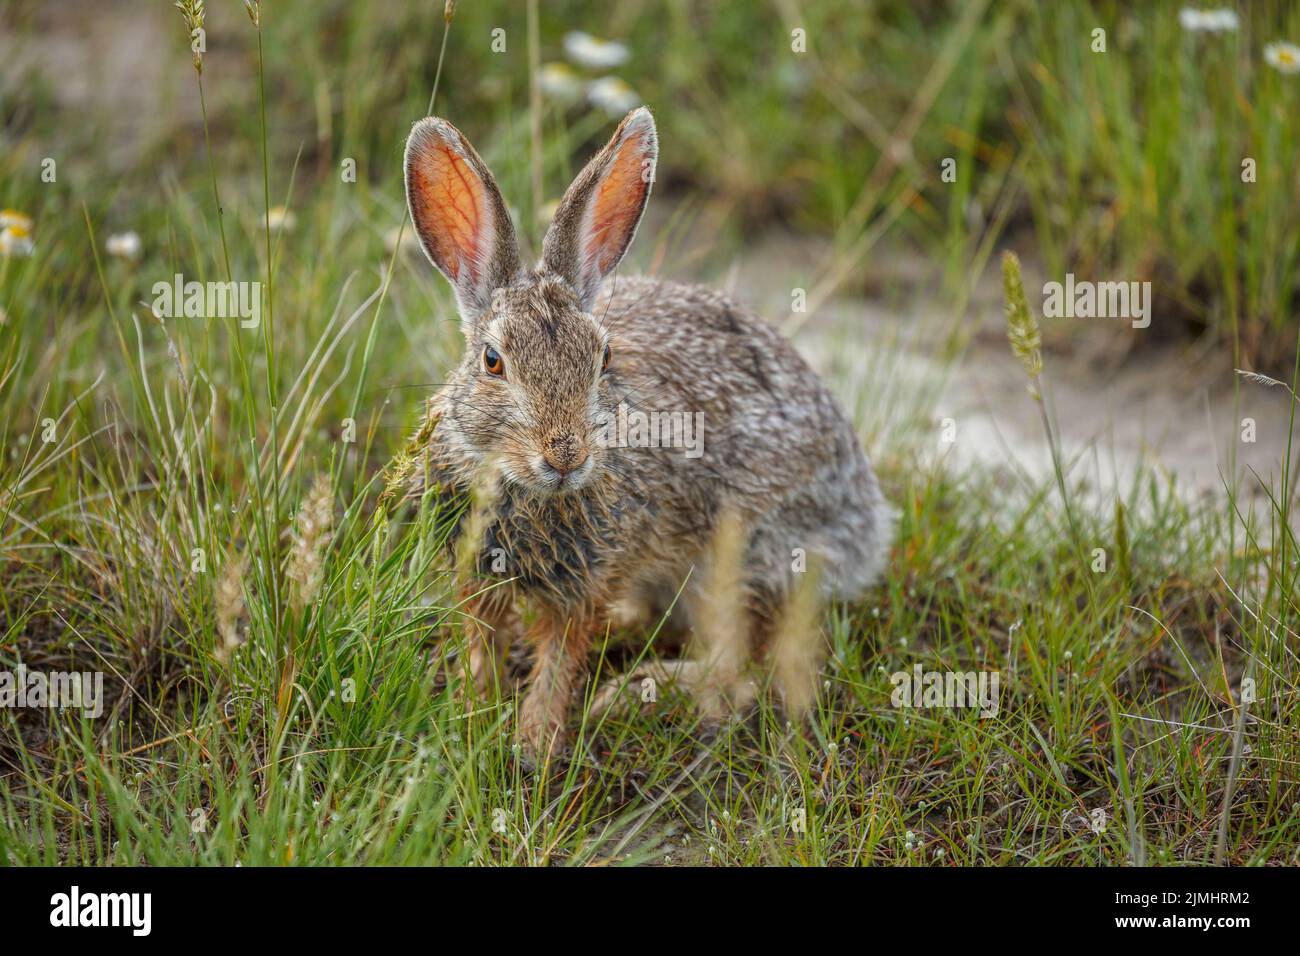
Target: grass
{"x": 203, "y": 524}
{"x": 1139, "y": 164}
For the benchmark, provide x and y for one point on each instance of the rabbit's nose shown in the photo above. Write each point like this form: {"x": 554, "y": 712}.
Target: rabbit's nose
{"x": 564, "y": 453}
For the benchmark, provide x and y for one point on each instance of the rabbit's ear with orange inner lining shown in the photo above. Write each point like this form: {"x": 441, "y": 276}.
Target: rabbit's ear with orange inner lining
{"x": 597, "y": 218}
{"x": 459, "y": 215}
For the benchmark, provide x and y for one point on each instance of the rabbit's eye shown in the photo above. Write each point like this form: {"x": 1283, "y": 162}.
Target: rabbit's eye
{"x": 604, "y": 362}
{"x": 493, "y": 363}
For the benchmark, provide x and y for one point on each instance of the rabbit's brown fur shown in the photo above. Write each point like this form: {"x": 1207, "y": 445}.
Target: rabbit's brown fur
{"x": 575, "y": 525}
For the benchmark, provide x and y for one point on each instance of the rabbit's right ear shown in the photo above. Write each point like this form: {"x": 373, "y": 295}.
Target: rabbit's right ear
{"x": 597, "y": 218}
{"x": 459, "y": 215}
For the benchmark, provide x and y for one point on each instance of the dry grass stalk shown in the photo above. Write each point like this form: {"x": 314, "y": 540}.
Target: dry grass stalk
{"x": 797, "y": 646}
{"x": 482, "y": 499}
{"x": 721, "y": 631}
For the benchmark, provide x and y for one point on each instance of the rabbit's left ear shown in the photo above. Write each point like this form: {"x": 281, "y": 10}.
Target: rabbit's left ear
{"x": 597, "y": 218}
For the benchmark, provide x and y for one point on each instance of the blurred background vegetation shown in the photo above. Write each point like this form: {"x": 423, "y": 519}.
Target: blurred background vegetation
{"x": 1125, "y": 164}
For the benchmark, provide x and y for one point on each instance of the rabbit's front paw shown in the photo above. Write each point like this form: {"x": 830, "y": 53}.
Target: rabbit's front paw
{"x": 560, "y": 643}
{"x": 541, "y": 733}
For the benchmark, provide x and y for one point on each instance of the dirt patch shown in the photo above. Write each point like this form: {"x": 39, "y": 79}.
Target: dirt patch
{"x": 1118, "y": 403}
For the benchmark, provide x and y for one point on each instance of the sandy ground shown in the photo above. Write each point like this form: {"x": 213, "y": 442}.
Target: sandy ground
{"x": 1171, "y": 407}
{"x": 116, "y": 71}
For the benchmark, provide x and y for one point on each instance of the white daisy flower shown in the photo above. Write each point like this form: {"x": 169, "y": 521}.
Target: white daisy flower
{"x": 559, "y": 81}
{"x": 1208, "y": 21}
{"x": 124, "y": 245}
{"x": 280, "y": 218}
{"x": 1283, "y": 57}
{"x": 12, "y": 217}
{"x": 15, "y": 241}
{"x": 612, "y": 95}
{"x": 1223, "y": 21}
{"x": 593, "y": 52}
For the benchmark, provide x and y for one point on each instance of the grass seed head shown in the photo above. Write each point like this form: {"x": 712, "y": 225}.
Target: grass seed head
{"x": 310, "y": 541}
{"x": 399, "y": 471}
{"x": 193, "y": 13}
{"x": 1022, "y": 328}
{"x": 230, "y": 606}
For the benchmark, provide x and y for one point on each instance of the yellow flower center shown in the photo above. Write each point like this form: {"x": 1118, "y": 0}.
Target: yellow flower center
{"x": 13, "y": 219}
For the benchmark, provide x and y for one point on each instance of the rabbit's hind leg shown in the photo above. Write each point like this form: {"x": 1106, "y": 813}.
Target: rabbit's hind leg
{"x": 717, "y": 682}
{"x": 644, "y": 683}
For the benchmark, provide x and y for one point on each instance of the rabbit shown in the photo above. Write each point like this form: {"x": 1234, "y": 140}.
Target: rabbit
{"x": 580, "y": 525}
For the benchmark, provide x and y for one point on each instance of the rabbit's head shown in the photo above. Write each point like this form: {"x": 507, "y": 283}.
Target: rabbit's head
{"x": 535, "y": 385}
